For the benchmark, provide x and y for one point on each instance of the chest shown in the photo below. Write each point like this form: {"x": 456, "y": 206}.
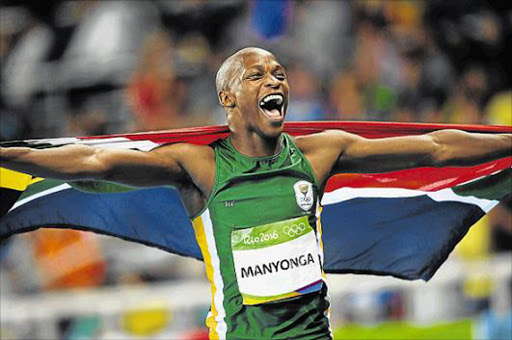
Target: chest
{"x": 241, "y": 204}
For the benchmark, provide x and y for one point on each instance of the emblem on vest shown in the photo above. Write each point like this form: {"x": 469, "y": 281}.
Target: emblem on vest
{"x": 304, "y": 194}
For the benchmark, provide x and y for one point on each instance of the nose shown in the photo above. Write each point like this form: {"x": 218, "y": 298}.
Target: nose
{"x": 272, "y": 81}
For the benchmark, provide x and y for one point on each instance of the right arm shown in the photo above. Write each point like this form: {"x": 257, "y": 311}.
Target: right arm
{"x": 161, "y": 166}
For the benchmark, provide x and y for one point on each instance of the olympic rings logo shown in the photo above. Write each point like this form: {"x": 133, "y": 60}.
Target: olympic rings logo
{"x": 294, "y": 229}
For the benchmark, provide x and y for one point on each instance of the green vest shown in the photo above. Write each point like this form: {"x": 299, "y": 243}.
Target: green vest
{"x": 260, "y": 236}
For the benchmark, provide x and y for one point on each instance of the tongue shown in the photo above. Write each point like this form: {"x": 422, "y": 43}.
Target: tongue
{"x": 274, "y": 113}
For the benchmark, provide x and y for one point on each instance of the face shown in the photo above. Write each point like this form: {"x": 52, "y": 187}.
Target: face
{"x": 261, "y": 94}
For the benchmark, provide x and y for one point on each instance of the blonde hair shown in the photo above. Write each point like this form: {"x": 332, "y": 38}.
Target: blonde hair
{"x": 233, "y": 67}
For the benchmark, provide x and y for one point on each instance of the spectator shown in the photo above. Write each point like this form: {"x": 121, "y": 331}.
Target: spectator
{"x": 154, "y": 91}
{"x": 466, "y": 104}
{"x": 306, "y": 103}
{"x": 345, "y": 97}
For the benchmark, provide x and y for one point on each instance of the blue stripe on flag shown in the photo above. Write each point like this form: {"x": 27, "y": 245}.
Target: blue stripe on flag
{"x": 404, "y": 237}
{"x": 151, "y": 216}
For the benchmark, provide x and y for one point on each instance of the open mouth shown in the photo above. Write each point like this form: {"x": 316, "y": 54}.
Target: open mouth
{"x": 272, "y": 106}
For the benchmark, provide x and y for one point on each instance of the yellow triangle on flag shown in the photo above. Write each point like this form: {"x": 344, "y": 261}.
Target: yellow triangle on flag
{"x": 14, "y": 180}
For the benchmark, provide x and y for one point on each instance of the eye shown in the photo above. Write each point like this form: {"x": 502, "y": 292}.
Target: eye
{"x": 280, "y": 76}
{"x": 253, "y": 76}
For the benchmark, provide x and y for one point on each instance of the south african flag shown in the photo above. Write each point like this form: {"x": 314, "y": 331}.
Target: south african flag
{"x": 402, "y": 223}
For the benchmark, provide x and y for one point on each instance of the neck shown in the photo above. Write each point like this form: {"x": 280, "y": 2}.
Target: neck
{"x": 254, "y": 145}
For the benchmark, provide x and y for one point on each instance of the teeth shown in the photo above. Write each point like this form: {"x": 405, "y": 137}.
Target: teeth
{"x": 276, "y": 97}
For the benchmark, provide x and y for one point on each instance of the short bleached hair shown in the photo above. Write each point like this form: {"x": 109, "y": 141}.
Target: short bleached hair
{"x": 233, "y": 67}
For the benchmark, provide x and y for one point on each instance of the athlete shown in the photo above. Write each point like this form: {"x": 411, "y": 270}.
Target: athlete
{"x": 254, "y": 197}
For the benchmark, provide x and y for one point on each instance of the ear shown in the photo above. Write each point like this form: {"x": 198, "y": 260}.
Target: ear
{"x": 226, "y": 99}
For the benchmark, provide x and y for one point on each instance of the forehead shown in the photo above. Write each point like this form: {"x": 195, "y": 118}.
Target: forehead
{"x": 256, "y": 59}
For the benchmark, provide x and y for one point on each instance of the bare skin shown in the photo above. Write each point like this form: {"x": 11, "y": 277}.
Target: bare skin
{"x": 188, "y": 167}
{"x": 253, "y": 132}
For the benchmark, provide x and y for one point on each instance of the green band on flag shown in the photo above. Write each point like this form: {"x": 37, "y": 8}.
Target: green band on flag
{"x": 100, "y": 187}
{"x": 492, "y": 187}
{"x": 39, "y": 187}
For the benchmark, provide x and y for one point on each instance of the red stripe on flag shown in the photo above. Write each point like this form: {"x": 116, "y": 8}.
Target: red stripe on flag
{"x": 425, "y": 179}
{"x": 196, "y": 135}
{"x": 208, "y": 134}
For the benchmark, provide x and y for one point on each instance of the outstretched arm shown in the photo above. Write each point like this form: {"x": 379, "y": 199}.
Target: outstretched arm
{"x": 439, "y": 148}
{"x": 161, "y": 166}
{"x": 335, "y": 151}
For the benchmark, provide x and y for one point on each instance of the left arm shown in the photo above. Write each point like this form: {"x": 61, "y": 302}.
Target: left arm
{"x": 345, "y": 152}
{"x": 436, "y": 149}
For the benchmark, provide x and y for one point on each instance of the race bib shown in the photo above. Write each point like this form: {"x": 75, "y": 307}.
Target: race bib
{"x": 276, "y": 261}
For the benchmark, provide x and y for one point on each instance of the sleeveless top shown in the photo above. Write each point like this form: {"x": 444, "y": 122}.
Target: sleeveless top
{"x": 260, "y": 236}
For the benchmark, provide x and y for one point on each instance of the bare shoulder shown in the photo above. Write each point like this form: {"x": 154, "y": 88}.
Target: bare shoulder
{"x": 324, "y": 140}
{"x": 323, "y": 149}
{"x": 185, "y": 153}
{"x": 198, "y": 164}
{"x": 198, "y": 161}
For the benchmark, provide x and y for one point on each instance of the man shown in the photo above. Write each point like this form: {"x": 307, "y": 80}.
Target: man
{"x": 254, "y": 197}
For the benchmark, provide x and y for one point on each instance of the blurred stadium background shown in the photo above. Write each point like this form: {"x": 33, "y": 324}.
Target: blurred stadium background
{"x": 72, "y": 68}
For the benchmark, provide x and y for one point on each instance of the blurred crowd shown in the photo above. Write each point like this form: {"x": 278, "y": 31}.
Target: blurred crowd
{"x": 90, "y": 67}
{"x": 98, "y": 67}
{"x": 71, "y": 68}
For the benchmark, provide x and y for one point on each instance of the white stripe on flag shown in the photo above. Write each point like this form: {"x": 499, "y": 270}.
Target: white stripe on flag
{"x": 143, "y": 145}
{"x": 444, "y": 195}
{"x": 53, "y": 190}
{"x": 346, "y": 193}
{"x": 119, "y": 143}
{"x": 98, "y": 141}
{"x": 52, "y": 141}
{"x": 449, "y": 195}
{"x": 106, "y": 143}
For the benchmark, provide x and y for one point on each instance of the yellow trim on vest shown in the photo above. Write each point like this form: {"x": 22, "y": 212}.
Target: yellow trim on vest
{"x": 201, "y": 240}
{"x": 319, "y": 227}
{"x": 321, "y": 242}
{"x": 252, "y": 301}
